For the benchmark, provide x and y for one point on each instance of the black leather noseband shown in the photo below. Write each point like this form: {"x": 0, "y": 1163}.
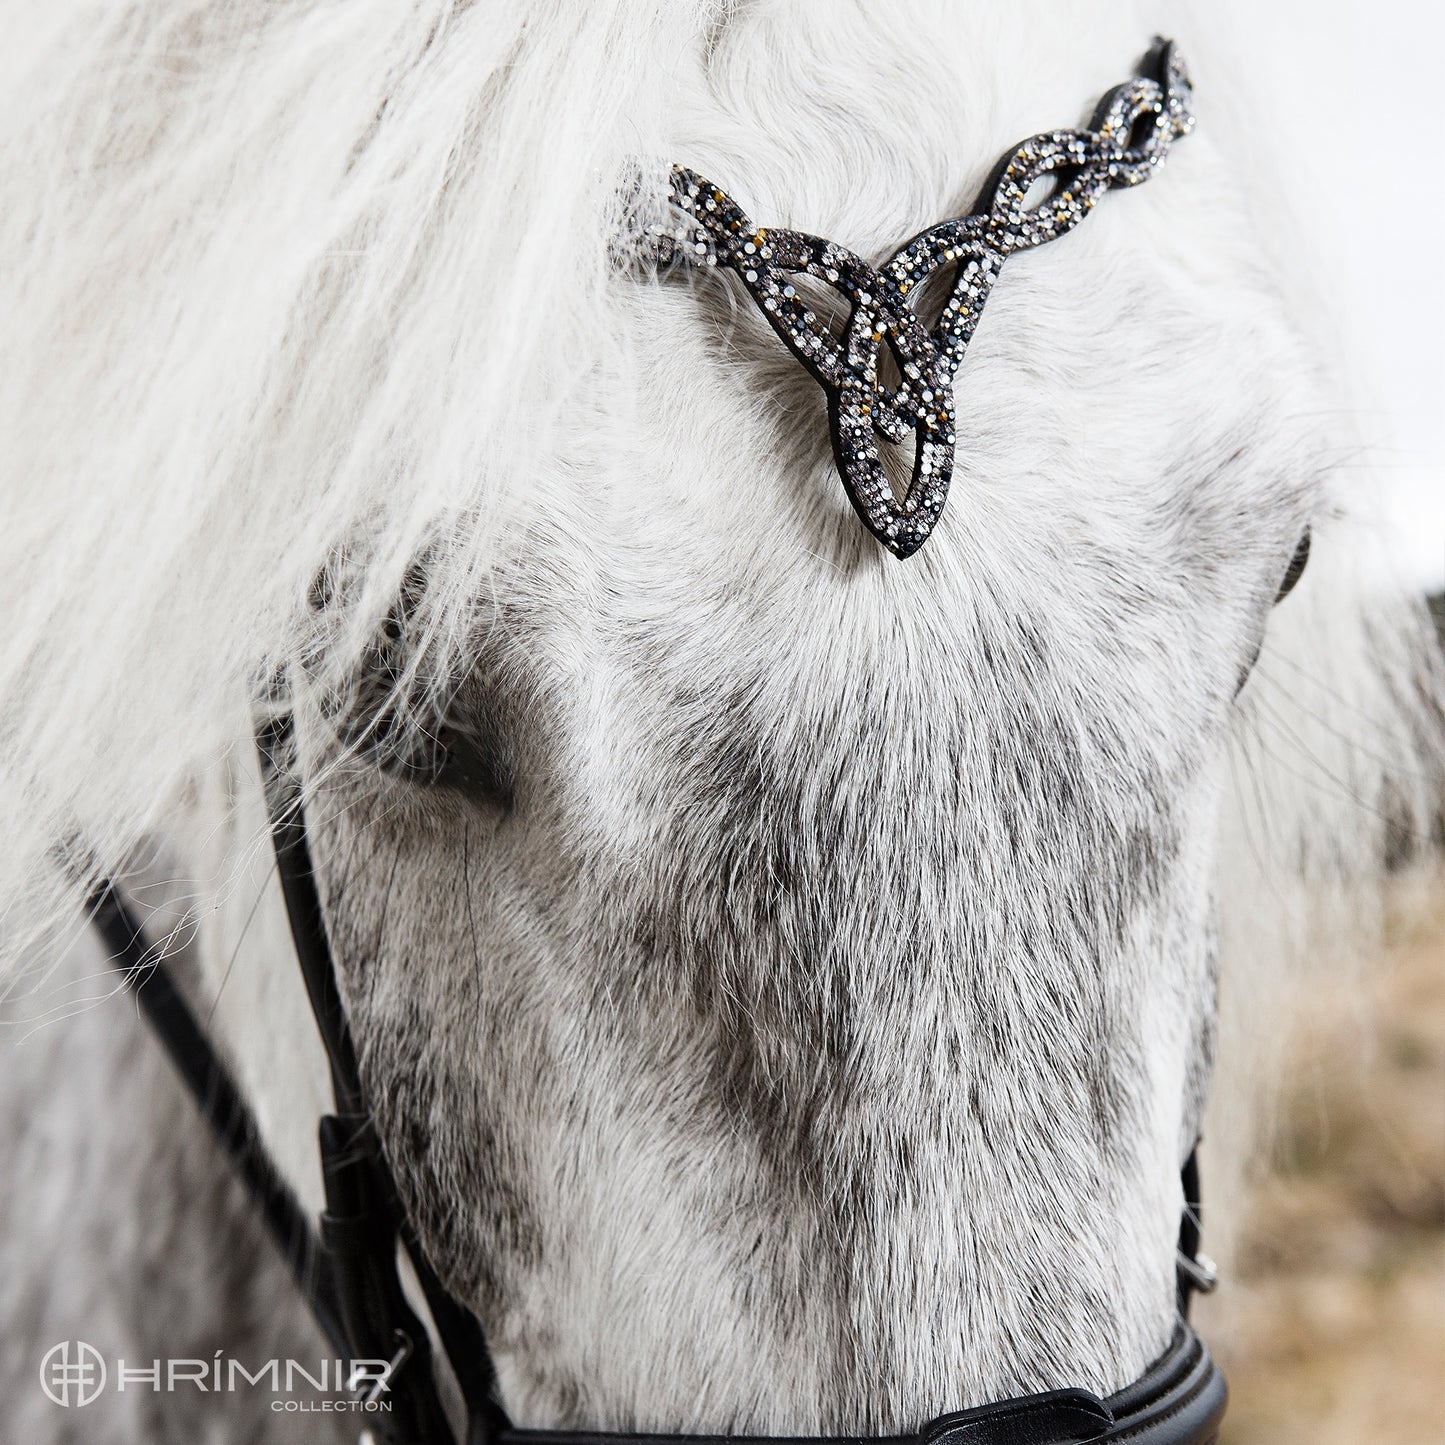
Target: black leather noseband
{"x": 347, "y": 1271}
{"x": 1179, "y": 1401}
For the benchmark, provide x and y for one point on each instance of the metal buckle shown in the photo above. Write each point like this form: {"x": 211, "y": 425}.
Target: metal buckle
{"x": 404, "y": 1351}
{"x": 1202, "y": 1271}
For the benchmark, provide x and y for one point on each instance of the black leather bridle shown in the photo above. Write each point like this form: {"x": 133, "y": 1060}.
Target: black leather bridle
{"x": 347, "y": 1270}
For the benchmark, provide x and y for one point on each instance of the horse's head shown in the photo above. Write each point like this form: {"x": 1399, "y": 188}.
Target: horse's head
{"x": 785, "y": 976}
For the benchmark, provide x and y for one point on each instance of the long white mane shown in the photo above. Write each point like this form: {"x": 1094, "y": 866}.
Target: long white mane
{"x": 308, "y": 291}
{"x": 178, "y": 466}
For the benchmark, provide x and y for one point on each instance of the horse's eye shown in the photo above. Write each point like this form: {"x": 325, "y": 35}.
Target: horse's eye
{"x": 468, "y": 757}
{"x": 472, "y": 762}
{"x": 1296, "y": 568}
{"x": 1292, "y": 574}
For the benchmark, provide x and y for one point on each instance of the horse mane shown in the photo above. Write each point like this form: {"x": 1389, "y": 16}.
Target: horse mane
{"x": 304, "y": 291}
{"x": 287, "y": 289}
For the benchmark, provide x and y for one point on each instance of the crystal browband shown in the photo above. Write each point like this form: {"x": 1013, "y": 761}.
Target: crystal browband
{"x": 1131, "y": 134}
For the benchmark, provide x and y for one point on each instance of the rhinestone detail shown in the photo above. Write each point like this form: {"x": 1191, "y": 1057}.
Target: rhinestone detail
{"x": 1129, "y": 138}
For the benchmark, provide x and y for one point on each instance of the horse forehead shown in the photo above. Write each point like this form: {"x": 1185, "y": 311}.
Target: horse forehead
{"x": 825, "y": 731}
{"x": 1129, "y": 381}
{"x": 1039, "y": 594}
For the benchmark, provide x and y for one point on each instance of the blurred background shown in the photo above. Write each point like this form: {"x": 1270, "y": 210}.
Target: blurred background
{"x": 1360, "y": 84}
{"x": 1336, "y": 1319}
{"x": 1332, "y": 1326}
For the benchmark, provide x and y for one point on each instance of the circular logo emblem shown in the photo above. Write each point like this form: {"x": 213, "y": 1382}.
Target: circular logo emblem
{"x": 72, "y": 1373}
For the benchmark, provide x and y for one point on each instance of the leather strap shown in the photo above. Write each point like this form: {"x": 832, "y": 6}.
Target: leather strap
{"x": 364, "y": 1223}
{"x": 220, "y": 1102}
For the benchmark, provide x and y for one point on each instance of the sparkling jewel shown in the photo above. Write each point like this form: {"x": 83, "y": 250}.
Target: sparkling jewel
{"x": 1082, "y": 164}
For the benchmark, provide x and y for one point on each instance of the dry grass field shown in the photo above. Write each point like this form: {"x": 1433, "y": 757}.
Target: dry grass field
{"x": 1336, "y": 1332}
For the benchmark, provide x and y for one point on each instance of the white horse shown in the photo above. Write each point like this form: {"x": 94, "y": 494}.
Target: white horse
{"x": 786, "y": 978}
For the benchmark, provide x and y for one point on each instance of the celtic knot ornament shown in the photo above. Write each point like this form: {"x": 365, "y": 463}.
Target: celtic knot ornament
{"x": 1132, "y": 131}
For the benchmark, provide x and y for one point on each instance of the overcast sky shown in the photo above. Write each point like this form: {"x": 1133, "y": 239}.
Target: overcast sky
{"x": 1368, "y": 73}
